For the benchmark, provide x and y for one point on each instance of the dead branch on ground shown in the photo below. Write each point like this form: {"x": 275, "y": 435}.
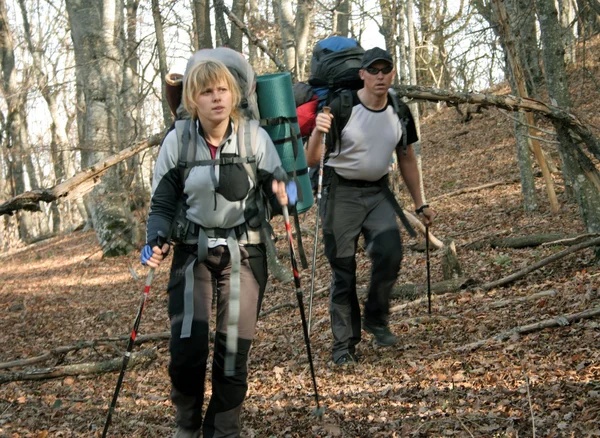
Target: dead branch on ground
{"x": 559, "y": 321}
{"x": 79, "y": 369}
{"x": 520, "y": 274}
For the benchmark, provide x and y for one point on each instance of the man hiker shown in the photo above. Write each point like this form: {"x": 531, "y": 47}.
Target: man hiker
{"x": 355, "y": 201}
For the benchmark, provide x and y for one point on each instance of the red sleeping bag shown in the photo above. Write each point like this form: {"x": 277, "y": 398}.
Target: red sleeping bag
{"x": 307, "y": 113}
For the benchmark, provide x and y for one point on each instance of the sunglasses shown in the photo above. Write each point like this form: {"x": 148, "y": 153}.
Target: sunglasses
{"x": 374, "y": 70}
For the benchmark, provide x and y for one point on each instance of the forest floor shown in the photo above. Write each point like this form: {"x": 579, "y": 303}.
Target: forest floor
{"x": 544, "y": 383}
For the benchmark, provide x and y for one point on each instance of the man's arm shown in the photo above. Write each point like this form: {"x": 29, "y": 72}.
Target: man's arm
{"x": 315, "y": 141}
{"x": 410, "y": 174}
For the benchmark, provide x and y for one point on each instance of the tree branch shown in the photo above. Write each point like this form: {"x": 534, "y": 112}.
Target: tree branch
{"x": 78, "y": 184}
{"x": 508, "y": 102}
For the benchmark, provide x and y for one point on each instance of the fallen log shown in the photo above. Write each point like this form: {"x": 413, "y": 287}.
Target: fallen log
{"x": 79, "y": 369}
{"x": 519, "y": 274}
{"x": 60, "y": 351}
{"x": 474, "y": 189}
{"x": 413, "y": 291}
{"x": 543, "y": 294}
{"x": 559, "y": 321}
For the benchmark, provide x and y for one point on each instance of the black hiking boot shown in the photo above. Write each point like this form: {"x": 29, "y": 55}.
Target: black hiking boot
{"x": 383, "y": 336}
{"x": 347, "y": 359}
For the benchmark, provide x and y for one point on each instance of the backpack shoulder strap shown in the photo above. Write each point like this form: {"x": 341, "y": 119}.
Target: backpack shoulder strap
{"x": 247, "y": 146}
{"x": 184, "y": 130}
{"x": 401, "y": 109}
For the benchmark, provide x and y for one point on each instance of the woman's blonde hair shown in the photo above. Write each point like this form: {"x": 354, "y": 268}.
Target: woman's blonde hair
{"x": 207, "y": 74}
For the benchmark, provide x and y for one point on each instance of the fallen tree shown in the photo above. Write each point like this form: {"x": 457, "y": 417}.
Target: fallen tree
{"x": 79, "y": 184}
{"x": 559, "y": 321}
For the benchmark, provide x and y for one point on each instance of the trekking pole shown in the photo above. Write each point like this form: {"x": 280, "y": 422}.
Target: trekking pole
{"x": 318, "y": 411}
{"x": 326, "y": 110}
{"x": 428, "y": 270}
{"x": 127, "y": 356}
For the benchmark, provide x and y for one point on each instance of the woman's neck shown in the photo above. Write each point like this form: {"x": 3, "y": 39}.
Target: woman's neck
{"x": 214, "y": 133}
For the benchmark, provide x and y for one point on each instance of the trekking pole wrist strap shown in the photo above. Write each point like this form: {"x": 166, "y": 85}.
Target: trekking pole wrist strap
{"x": 421, "y": 208}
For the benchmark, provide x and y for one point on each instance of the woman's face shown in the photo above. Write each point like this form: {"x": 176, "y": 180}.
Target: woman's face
{"x": 214, "y": 103}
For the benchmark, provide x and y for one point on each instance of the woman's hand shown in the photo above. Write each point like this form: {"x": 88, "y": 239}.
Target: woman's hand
{"x": 280, "y": 192}
{"x": 153, "y": 255}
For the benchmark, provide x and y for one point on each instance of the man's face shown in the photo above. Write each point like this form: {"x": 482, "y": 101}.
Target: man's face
{"x": 375, "y": 79}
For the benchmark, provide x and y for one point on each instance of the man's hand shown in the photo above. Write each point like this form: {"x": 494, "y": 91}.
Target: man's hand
{"x": 426, "y": 215}
{"x": 323, "y": 122}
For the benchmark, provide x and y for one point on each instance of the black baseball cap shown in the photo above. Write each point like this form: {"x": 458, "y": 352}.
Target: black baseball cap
{"x": 375, "y": 54}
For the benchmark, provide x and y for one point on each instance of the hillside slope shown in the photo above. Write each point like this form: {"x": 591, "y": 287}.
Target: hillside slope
{"x": 60, "y": 292}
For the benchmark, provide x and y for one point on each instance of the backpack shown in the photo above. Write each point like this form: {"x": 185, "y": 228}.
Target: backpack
{"x": 334, "y": 65}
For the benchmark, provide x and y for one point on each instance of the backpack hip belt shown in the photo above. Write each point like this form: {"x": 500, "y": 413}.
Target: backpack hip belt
{"x": 245, "y": 234}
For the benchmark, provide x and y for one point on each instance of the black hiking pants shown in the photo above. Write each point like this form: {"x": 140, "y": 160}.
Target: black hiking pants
{"x": 189, "y": 356}
{"x": 349, "y": 209}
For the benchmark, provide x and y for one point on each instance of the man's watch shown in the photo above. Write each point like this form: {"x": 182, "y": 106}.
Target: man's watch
{"x": 421, "y": 208}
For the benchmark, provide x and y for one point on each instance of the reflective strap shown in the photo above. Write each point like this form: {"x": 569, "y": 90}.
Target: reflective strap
{"x": 234, "y": 303}
{"x": 188, "y": 292}
{"x": 188, "y": 301}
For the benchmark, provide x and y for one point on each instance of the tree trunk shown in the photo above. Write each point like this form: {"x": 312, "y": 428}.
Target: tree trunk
{"x": 389, "y": 16}
{"x": 15, "y": 124}
{"x": 402, "y": 61}
{"x": 342, "y": 17}
{"x": 221, "y": 35}
{"x": 565, "y": 12}
{"x": 286, "y": 26}
{"x": 584, "y": 175}
{"x": 518, "y": 76}
{"x": 58, "y": 138}
{"x": 524, "y": 160}
{"x": 238, "y": 8}
{"x": 162, "y": 60}
{"x": 303, "y": 17}
{"x": 201, "y": 28}
{"x": 523, "y": 27}
{"x": 412, "y": 66}
{"x": 95, "y": 28}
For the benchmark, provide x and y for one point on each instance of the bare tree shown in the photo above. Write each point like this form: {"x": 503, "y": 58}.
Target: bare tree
{"x": 519, "y": 82}
{"x": 58, "y": 139}
{"x": 16, "y": 124}
{"x": 584, "y": 175}
{"x": 162, "y": 58}
{"x": 95, "y": 29}
{"x": 302, "y": 29}
{"x": 238, "y": 8}
{"x": 286, "y": 26}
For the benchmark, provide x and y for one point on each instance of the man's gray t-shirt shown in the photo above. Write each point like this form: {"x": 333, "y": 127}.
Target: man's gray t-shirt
{"x": 367, "y": 140}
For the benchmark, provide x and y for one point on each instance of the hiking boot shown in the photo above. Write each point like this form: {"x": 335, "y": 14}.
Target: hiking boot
{"x": 348, "y": 359}
{"x": 187, "y": 433}
{"x": 383, "y": 336}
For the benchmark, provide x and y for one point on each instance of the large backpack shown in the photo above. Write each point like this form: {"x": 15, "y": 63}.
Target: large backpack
{"x": 334, "y": 65}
